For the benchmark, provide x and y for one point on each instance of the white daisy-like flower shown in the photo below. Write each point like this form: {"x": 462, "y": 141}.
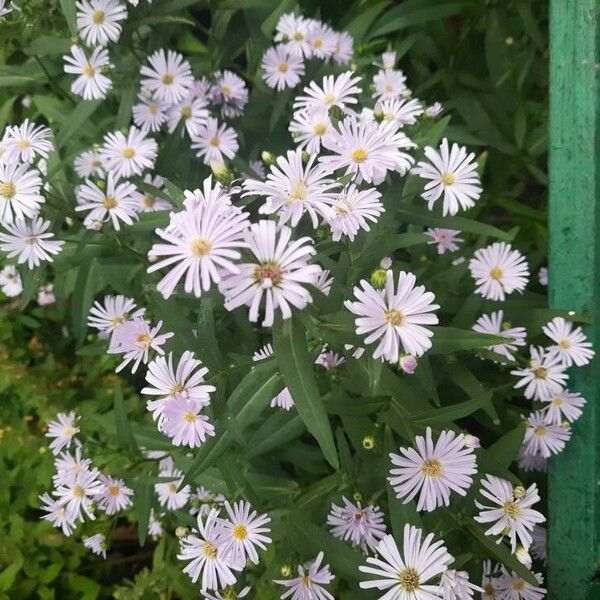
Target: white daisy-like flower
{"x": 544, "y": 437}
{"x": 184, "y": 424}
{"x": 564, "y": 405}
{"x": 353, "y": 209}
{"x": 19, "y": 191}
{"x": 544, "y": 377}
{"x": 191, "y": 111}
{"x": 63, "y": 430}
{"x": 570, "y": 343}
{"x": 134, "y": 339}
{"x": 202, "y": 244}
{"x": 405, "y": 576}
{"x": 10, "y": 281}
{"x": 231, "y": 92}
{"x": 115, "y": 202}
{"x": 130, "y": 154}
{"x": 455, "y": 585}
{"x": 434, "y": 110}
{"x": 291, "y": 32}
{"x": 451, "y": 173}
{"x": 368, "y": 149}
{"x": 511, "y": 513}
{"x": 170, "y": 494}
{"x": 329, "y": 359}
{"x": 278, "y": 273}
{"x": 339, "y": 91}
{"x": 310, "y": 582}
{"x": 243, "y": 532}
{"x": 88, "y": 164}
{"x": 543, "y": 276}
{"x": 396, "y": 317}
{"x": 45, "y": 296}
{"x": 494, "y": 325}
{"x": 498, "y": 270}
{"x": 96, "y": 543}
{"x": 113, "y": 312}
{"x": 389, "y": 84}
{"x": 447, "y": 240}
{"x": 154, "y": 525}
{"x": 213, "y": 141}
{"x": 513, "y": 587}
{"x": 27, "y": 141}
{"x": 344, "y": 48}
{"x": 30, "y": 242}
{"x": 168, "y": 76}
{"x": 361, "y": 526}
{"x": 283, "y": 400}
{"x": 209, "y": 194}
{"x": 80, "y": 494}
{"x": 282, "y": 69}
{"x": 203, "y": 549}
{"x": 293, "y": 188}
{"x": 401, "y": 111}
{"x": 5, "y": 10}
{"x": 309, "y": 128}
{"x": 433, "y": 470}
{"x": 324, "y": 281}
{"x": 258, "y": 168}
{"x": 115, "y": 495}
{"x": 186, "y": 380}
{"x": 98, "y": 21}
{"x": 56, "y": 513}
{"x": 91, "y": 83}
{"x": 322, "y": 40}
{"x": 150, "y": 114}
{"x": 489, "y": 581}
{"x": 68, "y": 465}
{"x": 531, "y": 462}
{"x": 263, "y": 353}
{"x": 149, "y": 201}
{"x": 388, "y": 59}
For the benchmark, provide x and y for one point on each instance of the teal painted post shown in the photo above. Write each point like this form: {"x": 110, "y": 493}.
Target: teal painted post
{"x": 574, "y": 266}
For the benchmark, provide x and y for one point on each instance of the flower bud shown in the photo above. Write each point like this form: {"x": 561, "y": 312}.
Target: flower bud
{"x": 379, "y": 278}
{"x": 357, "y": 497}
{"x": 182, "y": 532}
{"x": 368, "y": 442}
{"x": 267, "y": 157}
{"x": 408, "y": 364}
{"x": 286, "y": 570}
{"x": 472, "y": 441}
{"x": 519, "y": 492}
{"x": 386, "y": 262}
{"x": 523, "y": 556}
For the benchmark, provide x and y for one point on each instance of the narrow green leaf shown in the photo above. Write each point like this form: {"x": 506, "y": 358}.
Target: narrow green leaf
{"x": 175, "y": 193}
{"x": 122, "y": 424}
{"x": 142, "y": 501}
{"x": 449, "y": 339}
{"x": 70, "y": 11}
{"x": 76, "y": 121}
{"x": 86, "y": 285}
{"x": 499, "y": 456}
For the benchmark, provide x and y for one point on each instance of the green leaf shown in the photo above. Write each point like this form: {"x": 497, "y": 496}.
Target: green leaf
{"x": 76, "y": 121}
{"x": 278, "y": 430}
{"x": 499, "y": 456}
{"x": 175, "y": 193}
{"x": 70, "y": 11}
{"x": 449, "y": 339}
{"x": 122, "y": 424}
{"x": 48, "y": 45}
{"x": 142, "y": 501}
{"x": 129, "y": 94}
{"x": 86, "y": 286}
{"x": 296, "y": 366}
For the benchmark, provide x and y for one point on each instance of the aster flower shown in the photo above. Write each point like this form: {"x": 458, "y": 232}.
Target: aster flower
{"x": 291, "y": 32}
{"x": 531, "y": 462}
{"x": 510, "y": 513}
{"x": 310, "y": 582}
{"x": 113, "y": 313}
{"x": 30, "y": 242}
{"x": 184, "y": 381}
{"x": 494, "y": 325}
{"x": 68, "y": 466}
{"x": 564, "y": 405}
{"x": 229, "y": 592}
{"x": 4, "y": 10}
{"x": 433, "y": 470}
{"x": 91, "y": 83}
{"x": 184, "y": 424}
{"x": 310, "y": 127}
{"x": 456, "y": 585}
{"x": 56, "y": 514}
{"x": 543, "y": 437}
{"x": 343, "y": 50}
{"x": 498, "y": 270}
{"x": 353, "y": 209}
{"x": 405, "y": 575}
{"x": 339, "y": 91}
{"x": 324, "y": 282}
{"x": 115, "y": 202}
{"x": 79, "y": 494}
{"x": 243, "y": 532}
{"x": 98, "y": 21}
{"x": 394, "y": 316}
{"x": 571, "y": 344}
{"x": 399, "y": 111}
{"x": 27, "y": 141}
{"x": 512, "y": 587}
{"x": 170, "y": 494}
{"x": 202, "y": 244}
{"x": 19, "y": 191}
{"x": 265, "y": 352}
{"x": 96, "y": 543}
{"x": 10, "y": 281}
{"x": 283, "y": 400}
{"x": 489, "y": 581}
{"x": 258, "y": 168}
{"x": 134, "y": 339}
{"x": 63, "y": 430}
{"x": 367, "y": 149}
{"x": 282, "y": 69}
{"x": 408, "y": 364}
{"x": 88, "y": 164}
{"x": 207, "y": 195}
{"x": 231, "y": 92}
{"x": 389, "y": 84}
{"x": 150, "y": 114}
{"x": 203, "y": 549}
{"x": 362, "y": 527}
{"x": 130, "y": 154}
{"x": 149, "y": 201}
{"x": 213, "y": 141}
{"x": 168, "y": 76}
{"x": 191, "y": 111}
{"x": 539, "y": 543}
{"x": 388, "y": 59}
{"x": 544, "y": 377}
{"x": 446, "y": 239}
{"x": 278, "y": 273}
{"x": 115, "y": 495}
{"x": 154, "y": 525}
{"x": 329, "y": 359}
{"x": 451, "y": 174}
{"x": 434, "y": 110}
{"x": 322, "y": 39}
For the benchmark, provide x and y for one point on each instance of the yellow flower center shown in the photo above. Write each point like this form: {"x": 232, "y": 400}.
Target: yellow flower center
{"x": 149, "y": 201}
{"x": 226, "y": 90}
{"x": 109, "y": 202}
{"x": 320, "y": 129}
{"x": 31, "y": 240}
{"x": 89, "y": 71}
{"x": 190, "y": 417}
{"x": 98, "y": 16}
{"x": 558, "y": 401}
{"x": 511, "y": 509}
{"x": 394, "y": 317}
{"x": 167, "y": 79}
{"x": 448, "y": 178}
{"x": 8, "y": 189}
{"x": 186, "y": 112}
{"x": 283, "y": 67}
{"x": 128, "y": 152}
{"x": 78, "y": 491}
{"x": 298, "y": 36}
{"x": 540, "y": 373}
{"x": 360, "y": 155}
{"x": 488, "y": 589}
{"x": 201, "y": 247}
{"x": 268, "y": 270}
{"x": 209, "y": 550}
{"x": 69, "y": 432}
{"x": 388, "y": 87}
{"x": 496, "y": 273}
{"x": 540, "y": 431}
{"x": 114, "y": 490}
{"x": 173, "y": 487}
{"x": 565, "y": 344}
{"x": 117, "y": 320}
{"x": 317, "y": 43}
{"x": 518, "y": 585}
{"x": 215, "y": 141}
{"x": 177, "y": 389}
{"x": 240, "y": 532}
{"x": 329, "y": 99}
{"x": 298, "y": 192}
{"x": 409, "y": 579}
{"x": 23, "y": 144}
{"x": 306, "y": 582}
{"x": 144, "y": 339}
{"x": 153, "y": 108}
{"x": 431, "y": 467}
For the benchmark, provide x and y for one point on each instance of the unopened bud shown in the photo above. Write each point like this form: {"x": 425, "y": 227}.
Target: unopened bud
{"x": 100, "y": 183}
{"x": 509, "y": 41}
{"x": 408, "y": 364}
{"x": 379, "y": 278}
{"x": 472, "y": 441}
{"x": 305, "y": 156}
{"x": 368, "y": 442}
{"x": 386, "y": 263}
{"x": 286, "y": 570}
{"x": 523, "y": 556}
{"x": 182, "y": 532}
{"x": 357, "y": 497}
{"x": 506, "y": 325}
{"x": 519, "y": 492}
{"x": 221, "y": 172}
{"x": 268, "y": 157}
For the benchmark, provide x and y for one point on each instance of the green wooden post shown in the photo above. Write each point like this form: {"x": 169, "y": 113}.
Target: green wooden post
{"x": 574, "y": 222}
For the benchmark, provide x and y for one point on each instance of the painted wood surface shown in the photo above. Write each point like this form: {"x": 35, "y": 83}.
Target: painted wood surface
{"x": 574, "y": 221}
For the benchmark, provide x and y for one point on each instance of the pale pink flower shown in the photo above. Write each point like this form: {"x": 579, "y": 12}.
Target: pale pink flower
{"x": 23, "y": 143}
{"x": 352, "y": 211}
{"x": 63, "y": 430}
{"x": 213, "y": 141}
{"x": 56, "y": 513}
{"x": 115, "y": 495}
{"x": 184, "y": 424}
{"x": 512, "y": 586}
{"x": 389, "y": 84}
{"x": 282, "y": 69}
{"x": 169, "y": 76}
{"x": 446, "y": 239}
{"x": 130, "y": 154}
{"x": 231, "y": 92}
{"x": 339, "y": 91}
{"x": 112, "y": 313}
{"x": 96, "y": 543}
{"x": 570, "y": 343}
{"x": 544, "y": 377}
{"x": 564, "y": 405}
{"x": 494, "y": 325}
{"x": 310, "y": 582}
{"x": 544, "y": 437}
{"x": 91, "y": 83}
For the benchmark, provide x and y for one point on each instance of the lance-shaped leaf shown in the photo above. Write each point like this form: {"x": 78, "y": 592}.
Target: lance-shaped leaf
{"x": 449, "y": 339}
